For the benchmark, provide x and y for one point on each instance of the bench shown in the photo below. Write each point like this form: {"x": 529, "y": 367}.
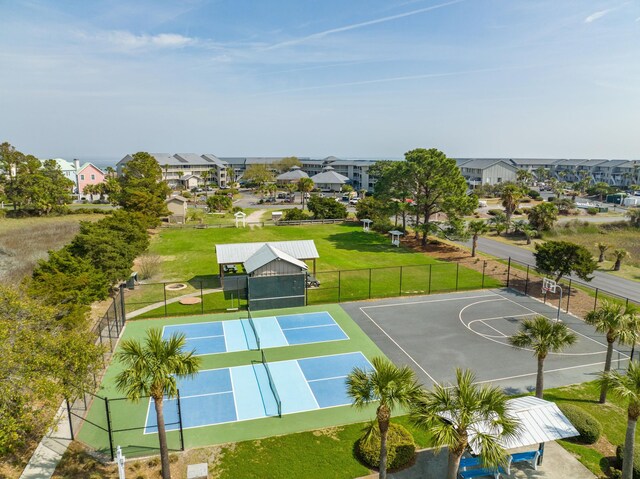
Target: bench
{"x": 528, "y": 456}
{"x": 477, "y": 470}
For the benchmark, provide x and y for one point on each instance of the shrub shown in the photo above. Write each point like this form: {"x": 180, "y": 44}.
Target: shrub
{"x": 592, "y": 211}
{"x": 400, "y": 446}
{"x": 382, "y": 226}
{"x": 534, "y": 194}
{"x": 295, "y": 214}
{"x": 636, "y": 460}
{"x": 587, "y": 425}
{"x": 149, "y": 265}
{"x": 525, "y": 200}
{"x": 495, "y": 212}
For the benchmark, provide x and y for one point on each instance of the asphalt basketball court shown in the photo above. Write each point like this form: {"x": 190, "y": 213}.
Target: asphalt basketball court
{"x": 435, "y": 334}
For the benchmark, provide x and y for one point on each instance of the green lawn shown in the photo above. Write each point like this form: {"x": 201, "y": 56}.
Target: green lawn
{"x": 612, "y": 416}
{"x": 370, "y": 267}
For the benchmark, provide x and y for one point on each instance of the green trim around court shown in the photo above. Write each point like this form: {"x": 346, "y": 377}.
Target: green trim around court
{"x": 131, "y": 417}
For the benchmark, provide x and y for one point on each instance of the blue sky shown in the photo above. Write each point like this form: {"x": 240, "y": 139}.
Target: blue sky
{"x": 361, "y": 78}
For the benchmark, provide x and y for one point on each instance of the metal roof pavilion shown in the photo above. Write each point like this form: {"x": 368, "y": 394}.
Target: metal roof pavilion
{"x": 266, "y": 254}
{"x": 234, "y": 253}
{"x": 540, "y": 421}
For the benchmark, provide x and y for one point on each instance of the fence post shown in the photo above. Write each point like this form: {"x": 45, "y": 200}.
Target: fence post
{"x": 164, "y": 290}
{"x": 106, "y": 406}
{"x": 508, "y": 271}
{"x": 180, "y": 422}
{"x": 595, "y": 302}
{"x": 69, "y": 416}
{"x": 369, "y": 283}
{"x": 569, "y": 295}
{"x": 526, "y": 282}
{"x": 457, "y": 274}
{"x": 339, "y": 283}
{"x": 430, "y": 268}
{"x": 122, "y": 305}
{"x": 202, "y": 299}
{"x": 484, "y": 266}
{"x": 400, "y": 281}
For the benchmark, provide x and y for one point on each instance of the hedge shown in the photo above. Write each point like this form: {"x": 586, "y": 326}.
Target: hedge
{"x": 400, "y": 447}
{"x": 636, "y": 460}
{"x": 588, "y": 426}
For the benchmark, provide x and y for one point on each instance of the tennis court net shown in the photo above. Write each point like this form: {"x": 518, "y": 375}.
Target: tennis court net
{"x": 272, "y": 385}
{"x": 253, "y": 328}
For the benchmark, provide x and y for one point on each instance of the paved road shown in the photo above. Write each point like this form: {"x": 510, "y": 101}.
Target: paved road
{"x": 624, "y": 287}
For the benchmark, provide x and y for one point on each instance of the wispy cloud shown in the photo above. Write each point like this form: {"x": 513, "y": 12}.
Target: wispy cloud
{"x": 597, "y": 15}
{"x": 399, "y": 78}
{"x": 129, "y": 41}
{"x": 354, "y": 26}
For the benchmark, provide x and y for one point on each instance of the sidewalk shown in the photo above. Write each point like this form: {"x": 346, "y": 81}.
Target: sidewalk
{"x": 160, "y": 304}
{"x": 557, "y": 464}
{"x": 47, "y": 455}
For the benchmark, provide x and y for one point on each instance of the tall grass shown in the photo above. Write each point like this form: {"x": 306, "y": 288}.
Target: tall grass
{"x": 24, "y": 241}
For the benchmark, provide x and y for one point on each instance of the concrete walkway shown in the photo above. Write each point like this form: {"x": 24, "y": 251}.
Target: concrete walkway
{"x": 47, "y": 455}
{"x": 557, "y": 464}
{"x": 160, "y": 304}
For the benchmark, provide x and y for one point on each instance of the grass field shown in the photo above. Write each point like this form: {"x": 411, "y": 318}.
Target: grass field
{"x": 612, "y": 415}
{"x": 131, "y": 417}
{"x": 189, "y": 255}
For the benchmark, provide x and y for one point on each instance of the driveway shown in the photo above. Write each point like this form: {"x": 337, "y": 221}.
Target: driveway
{"x": 614, "y": 284}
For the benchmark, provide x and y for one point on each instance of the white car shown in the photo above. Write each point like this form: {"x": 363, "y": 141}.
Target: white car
{"x": 354, "y": 201}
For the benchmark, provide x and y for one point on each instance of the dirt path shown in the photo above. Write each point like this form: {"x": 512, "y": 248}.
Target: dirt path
{"x": 255, "y": 217}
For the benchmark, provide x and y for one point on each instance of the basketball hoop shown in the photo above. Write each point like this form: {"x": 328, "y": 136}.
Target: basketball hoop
{"x": 548, "y": 286}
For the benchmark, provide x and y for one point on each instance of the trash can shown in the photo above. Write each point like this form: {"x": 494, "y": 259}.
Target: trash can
{"x": 132, "y": 280}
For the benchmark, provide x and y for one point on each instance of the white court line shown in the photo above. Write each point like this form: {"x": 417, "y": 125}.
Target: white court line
{"x": 489, "y": 326}
{"x": 307, "y": 383}
{"x": 205, "y": 337}
{"x": 546, "y": 371}
{"x": 577, "y": 332}
{"x": 492, "y": 338}
{"x": 207, "y": 394}
{"x": 500, "y": 317}
{"x": 309, "y": 327}
{"x": 324, "y": 379}
{"x": 428, "y": 301}
{"x": 233, "y": 392}
{"x": 399, "y": 347}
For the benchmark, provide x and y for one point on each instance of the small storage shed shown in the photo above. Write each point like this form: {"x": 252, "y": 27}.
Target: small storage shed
{"x": 177, "y": 206}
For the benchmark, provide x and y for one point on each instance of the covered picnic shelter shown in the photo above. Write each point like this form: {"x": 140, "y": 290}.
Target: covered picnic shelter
{"x": 239, "y": 253}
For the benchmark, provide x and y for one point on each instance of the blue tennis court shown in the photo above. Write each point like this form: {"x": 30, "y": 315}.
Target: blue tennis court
{"x": 270, "y": 332}
{"x": 242, "y": 393}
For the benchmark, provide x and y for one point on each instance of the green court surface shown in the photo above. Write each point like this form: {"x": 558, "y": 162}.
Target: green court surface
{"x": 128, "y": 419}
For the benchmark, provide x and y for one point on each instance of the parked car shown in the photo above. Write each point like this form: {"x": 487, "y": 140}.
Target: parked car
{"x": 354, "y": 201}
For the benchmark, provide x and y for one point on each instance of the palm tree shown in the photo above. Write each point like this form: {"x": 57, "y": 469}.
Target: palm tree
{"x": 460, "y": 414}
{"x": 626, "y": 387}
{"x": 634, "y": 216}
{"x": 151, "y": 368}
{"x": 305, "y": 185}
{"x": 388, "y": 384}
{"x": 529, "y": 232}
{"x": 511, "y": 194}
{"x": 619, "y": 255}
{"x": 475, "y": 229}
{"x": 498, "y": 222}
{"x": 602, "y": 248}
{"x": 543, "y": 337}
{"x": 618, "y": 324}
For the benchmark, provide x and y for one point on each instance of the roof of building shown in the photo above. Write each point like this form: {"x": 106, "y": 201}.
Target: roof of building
{"x": 63, "y": 164}
{"x": 178, "y": 198}
{"x": 266, "y": 254}
{"x": 534, "y": 161}
{"x": 234, "y": 253}
{"x": 570, "y": 162}
{"x": 86, "y": 165}
{"x": 188, "y": 177}
{"x": 593, "y": 162}
{"x": 294, "y": 173}
{"x": 329, "y": 177}
{"x": 483, "y": 163}
{"x": 540, "y": 421}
